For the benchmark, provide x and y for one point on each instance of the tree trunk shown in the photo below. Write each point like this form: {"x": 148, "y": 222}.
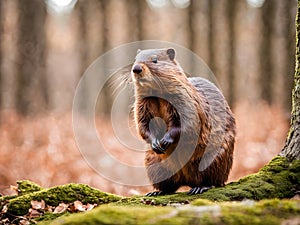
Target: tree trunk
{"x": 82, "y": 9}
{"x": 291, "y": 149}
{"x": 231, "y": 15}
{"x": 1, "y": 33}
{"x": 191, "y": 16}
{"x": 137, "y": 8}
{"x": 83, "y": 34}
{"x": 289, "y": 35}
{"x": 106, "y": 101}
{"x": 31, "y": 96}
{"x": 266, "y": 51}
{"x": 211, "y": 44}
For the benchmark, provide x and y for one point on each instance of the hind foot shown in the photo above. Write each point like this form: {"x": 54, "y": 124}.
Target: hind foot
{"x": 198, "y": 190}
{"x": 155, "y": 193}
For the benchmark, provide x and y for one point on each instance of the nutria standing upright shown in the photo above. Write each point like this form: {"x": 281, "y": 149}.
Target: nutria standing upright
{"x": 187, "y": 122}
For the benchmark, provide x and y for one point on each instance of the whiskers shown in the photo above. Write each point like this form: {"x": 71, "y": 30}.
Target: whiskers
{"x": 121, "y": 79}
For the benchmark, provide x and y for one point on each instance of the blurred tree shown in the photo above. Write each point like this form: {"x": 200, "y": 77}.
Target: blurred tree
{"x": 105, "y": 24}
{"x": 211, "y": 34}
{"x": 136, "y": 8}
{"x": 291, "y": 149}
{"x": 191, "y": 26}
{"x": 198, "y": 21}
{"x": 289, "y": 35}
{"x": 231, "y": 16}
{"x": 1, "y": 33}
{"x": 106, "y": 100}
{"x": 32, "y": 95}
{"x": 88, "y": 12}
{"x": 83, "y": 7}
{"x": 191, "y": 32}
{"x": 266, "y": 53}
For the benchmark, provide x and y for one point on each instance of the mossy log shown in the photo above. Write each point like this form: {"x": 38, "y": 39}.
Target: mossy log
{"x": 248, "y": 212}
{"x": 280, "y": 179}
{"x": 19, "y": 205}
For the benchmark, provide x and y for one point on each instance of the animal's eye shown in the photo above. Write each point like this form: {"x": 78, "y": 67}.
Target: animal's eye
{"x": 154, "y": 60}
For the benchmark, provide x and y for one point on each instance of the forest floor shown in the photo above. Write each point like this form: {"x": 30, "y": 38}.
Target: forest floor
{"x": 270, "y": 196}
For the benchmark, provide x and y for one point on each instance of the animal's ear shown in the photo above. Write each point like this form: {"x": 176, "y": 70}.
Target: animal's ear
{"x": 138, "y": 51}
{"x": 171, "y": 53}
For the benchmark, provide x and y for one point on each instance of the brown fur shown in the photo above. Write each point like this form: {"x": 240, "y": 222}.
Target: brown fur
{"x": 191, "y": 108}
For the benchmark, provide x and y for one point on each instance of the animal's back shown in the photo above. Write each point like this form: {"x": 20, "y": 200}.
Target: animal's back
{"x": 215, "y": 163}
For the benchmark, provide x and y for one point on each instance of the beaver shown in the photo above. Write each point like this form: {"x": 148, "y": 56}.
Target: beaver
{"x": 186, "y": 121}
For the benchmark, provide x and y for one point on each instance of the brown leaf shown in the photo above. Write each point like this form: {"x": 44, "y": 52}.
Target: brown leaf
{"x": 5, "y": 221}
{"x": 38, "y": 205}
{"x": 89, "y": 206}
{"x": 14, "y": 188}
{"x": 72, "y": 209}
{"x": 24, "y": 222}
{"x": 49, "y": 208}
{"x": 62, "y": 207}
{"x": 33, "y": 213}
{"x": 296, "y": 197}
{"x": 79, "y": 206}
{"x": 4, "y": 209}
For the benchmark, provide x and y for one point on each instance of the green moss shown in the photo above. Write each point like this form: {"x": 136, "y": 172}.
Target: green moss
{"x": 24, "y": 187}
{"x": 48, "y": 217}
{"x": 279, "y": 179}
{"x": 27, "y": 187}
{"x": 66, "y": 193}
{"x": 264, "y": 212}
{"x": 201, "y": 202}
{"x": 165, "y": 200}
{"x": 240, "y": 218}
{"x": 115, "y": 215}
{"x": 249, "y": 212}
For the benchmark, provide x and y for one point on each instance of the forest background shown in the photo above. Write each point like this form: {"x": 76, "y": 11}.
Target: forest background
{"x": 45, "y": 47}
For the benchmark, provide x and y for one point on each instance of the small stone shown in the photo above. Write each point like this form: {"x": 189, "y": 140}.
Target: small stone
{"x": 153, "y": 202}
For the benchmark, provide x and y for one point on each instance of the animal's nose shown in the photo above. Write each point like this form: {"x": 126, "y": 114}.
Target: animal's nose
{"x": 137, "y": 69}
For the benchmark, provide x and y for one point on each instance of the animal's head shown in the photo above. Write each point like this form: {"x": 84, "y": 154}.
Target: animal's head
{"x": 156, "y": 68}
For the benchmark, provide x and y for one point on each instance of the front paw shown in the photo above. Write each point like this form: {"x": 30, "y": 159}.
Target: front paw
{"x": 166, "y": 141}
{"x": 156, "y": 146}
{"x": 155, "y": 193}
{"x": 198, "y": 190}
